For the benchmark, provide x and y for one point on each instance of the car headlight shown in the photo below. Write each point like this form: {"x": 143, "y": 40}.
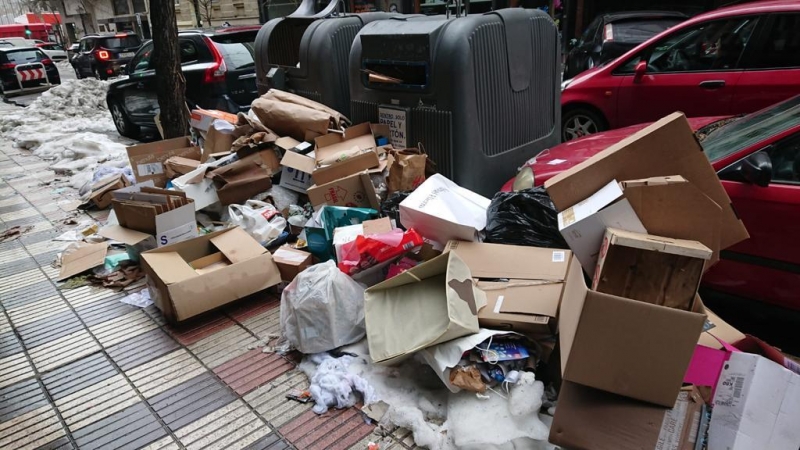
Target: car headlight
{"x": 565, "y": 84}
{"x": 524, "y": 179}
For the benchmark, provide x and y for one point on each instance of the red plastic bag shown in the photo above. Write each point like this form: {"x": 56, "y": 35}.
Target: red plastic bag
{"x": 368, "y": 251}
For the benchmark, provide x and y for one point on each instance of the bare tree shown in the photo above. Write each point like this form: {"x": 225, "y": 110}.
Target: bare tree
{"x": 170, "y": 84}
{"x": 206, "y": 11}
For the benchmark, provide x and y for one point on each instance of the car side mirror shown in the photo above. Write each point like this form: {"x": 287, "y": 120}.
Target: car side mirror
{"x": 639, "y": 71}
{"x": 757, "y": 169}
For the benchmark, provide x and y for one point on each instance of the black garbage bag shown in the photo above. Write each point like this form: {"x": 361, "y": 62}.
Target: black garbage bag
{"x": 526, "y": 217}
{"x": 391, "y": 206}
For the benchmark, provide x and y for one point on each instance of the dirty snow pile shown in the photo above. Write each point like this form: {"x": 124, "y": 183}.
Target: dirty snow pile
{"x": 418, "y": 401}
{"x": 69, "y": 125}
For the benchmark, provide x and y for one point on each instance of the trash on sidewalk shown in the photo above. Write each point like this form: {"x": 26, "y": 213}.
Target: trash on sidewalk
{"x": 202, "y": 119}
{"x": 203, "y": 273}
{"x": 147, "y": 160}
{"x": 139, "y": 299}
{"x": 261, "y": 220}
{"x": 101, "y": 193}
{"x": 168, "y": 215}
{"x": 333, "y": 386}
{"x": 178, "y": 165}
{"x": 407, "y": 170}
{"x": 435, "y": 301}
{"x": 322, "y": 309}
{"x": 291, "y": 261}
{"x": 81, "y": 257}
{"x": 442, "y": 211}
{"x": 248, "y": 176}
{"x": 526, "y": 217}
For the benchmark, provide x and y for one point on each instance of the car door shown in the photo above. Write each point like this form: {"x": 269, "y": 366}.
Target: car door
{"x": 772, "y": 70}
{"x": 86, "y": 58}
{"x": 766, "y": 266}
{"x": 693, "y": 70}
{"x": 138, "y": 92}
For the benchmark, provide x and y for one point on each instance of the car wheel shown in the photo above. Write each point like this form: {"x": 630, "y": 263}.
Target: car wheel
{"x": 124, "y": 125}
{"x": 580, "y": 122}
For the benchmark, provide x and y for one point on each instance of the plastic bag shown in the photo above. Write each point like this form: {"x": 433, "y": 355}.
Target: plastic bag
{"x": 526, "y": 217}
{"x": 261, "y": 220}
{"x": 322, "y": 309}
{"x": 368, "y": 251}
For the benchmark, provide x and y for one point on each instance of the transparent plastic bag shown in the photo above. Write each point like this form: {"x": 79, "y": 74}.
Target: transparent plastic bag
{"x": 322, "y": 309}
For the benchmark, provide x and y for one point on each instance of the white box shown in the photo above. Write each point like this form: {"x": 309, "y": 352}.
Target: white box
{"x": 756, "y": 406}
{"x": 583, "y": 225}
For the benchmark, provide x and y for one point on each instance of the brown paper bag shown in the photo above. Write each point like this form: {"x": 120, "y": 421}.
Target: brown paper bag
{"x": 338, "y": 119}
{"x": 467, "y": 378}
{"x": 407, "y": 171}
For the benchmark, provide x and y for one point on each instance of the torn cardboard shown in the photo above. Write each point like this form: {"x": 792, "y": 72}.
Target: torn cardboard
{"x": 178, "y": 165}
{"x": 431, "y": 303}
{"x": 666, "y": 148}
{"x": 180, "y": 292}
{"x": 147, "y": 160}
{"x": 239, "y": 181}
{"x": 355, "y": 190}
{"x": 101, "y": 191}
{"x": 80, "y": 258}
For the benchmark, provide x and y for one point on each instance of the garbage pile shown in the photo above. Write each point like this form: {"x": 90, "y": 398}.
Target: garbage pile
{"x": 566, "y": 313}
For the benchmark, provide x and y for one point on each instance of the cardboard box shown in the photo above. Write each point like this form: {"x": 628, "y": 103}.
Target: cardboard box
{"x": 590, "y": 419}
{"x": 147, "y": 160}
{"x": 202, "y": 119}
{"x": 291, "y": 261}
{"x": 528, "y": 302}
{"x": 216, "y": 142}
{"x": 168, "y": 215}
{"x": 245, "y": 178}
{"x": 355, "y": 190}
{"x": 80, "y": 258}
{"x": 101, "y": 191}
{"x": 584, "y": 224}
{"x": 665, "y": 148}
{"x": 654, "y": 269}
{"x": 340, "y": 155}
{"x": 296, "y": 172}
{"x": 441, "y": 211}
{"x": 756, "y": 406}
{"x": 431, "y": 303}
{"x": 178, "y": 165}
{"x": 181, "y": 292}
{"x": 628, "y": 347}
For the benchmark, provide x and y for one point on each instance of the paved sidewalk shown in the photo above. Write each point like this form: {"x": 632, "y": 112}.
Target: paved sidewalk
{"x": 80, "y": 369}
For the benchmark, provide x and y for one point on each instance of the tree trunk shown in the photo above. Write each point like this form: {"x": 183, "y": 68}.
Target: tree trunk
{"x": 166, "y": 59}
{"x": 196, "y": 5}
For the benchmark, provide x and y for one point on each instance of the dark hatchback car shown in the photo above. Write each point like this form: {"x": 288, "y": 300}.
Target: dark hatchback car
{"x": 219, "y": 69}
{"x": 104, "y": 56}
{"x": 611, "y": 35}
{"x": 26, "y": 70}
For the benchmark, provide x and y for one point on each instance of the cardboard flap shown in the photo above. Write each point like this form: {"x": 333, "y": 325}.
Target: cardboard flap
{"x": 643, "y": 155}
{"x": 287, "y": 143}
{"x": 169, "y": 266}
{"x": 237, "y": 245}
{"x": 377, "y": 226}
{"x": 82, "y": 258}
{"x": 503, "y": 261}
{"x": 569, "y": 312}
{"x": 682, "y": 247}
{"x": 428, "y": 269}
{"x": 358, "y": 136}
{"x": 122, "y": 234}
{"x": 299, "y": 162}
{"x": 540, "y": 300}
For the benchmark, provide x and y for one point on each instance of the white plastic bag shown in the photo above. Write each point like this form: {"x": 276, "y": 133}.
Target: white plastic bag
{"x": 322, "y": 309}
{"x": 260, "y": 219}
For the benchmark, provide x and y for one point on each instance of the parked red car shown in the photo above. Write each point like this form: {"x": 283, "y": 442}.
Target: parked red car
{"x": 731, "y": 61}
{"x": 757, "y": 157}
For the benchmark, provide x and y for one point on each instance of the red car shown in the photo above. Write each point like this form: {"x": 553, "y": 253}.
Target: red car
{"x": 734, "y": 60}
{"x": 757, "y": 157}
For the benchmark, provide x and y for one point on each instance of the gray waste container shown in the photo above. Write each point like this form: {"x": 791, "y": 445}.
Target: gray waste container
{"x": 481, "y": 93}
{"x": 309, "y": 56}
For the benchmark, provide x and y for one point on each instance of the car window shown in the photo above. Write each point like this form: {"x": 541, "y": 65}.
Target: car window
{"x": 752, "y": 129}
{"x": 638, "y": 31}
{"x": 25, "y": 56}
{"x": 141, "y": 61}
{"x": 782, "y": 44}
{"x": 238, "y": 49}
{"x": 711, "y": 46}
{"x": 120, "y": 42}
{"x": 188, "y": 52}
{"x": 785, "y": 156}
{"x": 590, "y": 32}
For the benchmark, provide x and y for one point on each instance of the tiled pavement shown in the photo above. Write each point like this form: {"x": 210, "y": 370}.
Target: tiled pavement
{"x": 80, "y": 369}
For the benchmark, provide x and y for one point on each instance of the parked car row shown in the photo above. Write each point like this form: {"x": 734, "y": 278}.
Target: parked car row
{"x": 26, "y": 70}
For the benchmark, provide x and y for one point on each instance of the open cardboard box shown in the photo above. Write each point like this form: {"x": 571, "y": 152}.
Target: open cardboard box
{"x": 340, "y": 155}
{"x": 251, "y": 175}
{"x": 204, "y": 273}
{"x": 354, "y": 190}
{"x": 528, "y": 301}
{"x": 147, "y": 160}
{"x": 168, "y": 215}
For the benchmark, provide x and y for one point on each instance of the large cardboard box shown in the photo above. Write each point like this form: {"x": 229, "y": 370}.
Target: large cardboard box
{"x": 665, "y": 148}
{"x": 354, "y": 190}
{"x": 168, "y": 215}
{"x": 590, "y": 419}
{"x": 584, "y": 224}
{"x": 431, "y": 303}
{"x": 528, "y": 301}
{"x": 628, "y": 347}
{"x": 340, "y": 155}
{"x": 147, "y": 160}
{"x": 756, "y": 406}
{"x": 183, "y": 283}
{"x": 291, "y": 261}
{"x": 654, "y": 269}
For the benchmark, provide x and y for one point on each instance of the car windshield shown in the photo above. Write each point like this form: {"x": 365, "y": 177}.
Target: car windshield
{"x": 23, "y": 56}
{"x": 239, "y": 49}
{"x": 752, "y": 129}
{"x": 638, "y": 31}
{"x": 120, "y": 42}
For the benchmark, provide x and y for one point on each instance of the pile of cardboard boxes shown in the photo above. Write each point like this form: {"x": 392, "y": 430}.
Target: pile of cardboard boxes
{"x": 614, "y": 321}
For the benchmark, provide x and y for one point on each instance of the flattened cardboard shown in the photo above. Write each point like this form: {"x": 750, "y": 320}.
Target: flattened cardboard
{"x": 297, "y": 170}
{"x": 665, "y": 148}
{"x": 101, "y": 191}
{"x": 291, "y": 261}
{"x": 341, "y": 155}
{"x": 355, "y": 190}
{"x": 122, "y": 234}
{"x": 625, "y": 346}
{"x": 349, "y": 166}
{"x": 147, "y": 160}
{"x": 653, "y": 269}
{"x": 81, "y": 259}
{"x": 178, "y": 165}
{"x": 659, "y": 201}
{"x": 590, "y": 419}
{"x": 180, "y": 292}
{"x": 246, "y": 177}
{"x": 435, "y": 301}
